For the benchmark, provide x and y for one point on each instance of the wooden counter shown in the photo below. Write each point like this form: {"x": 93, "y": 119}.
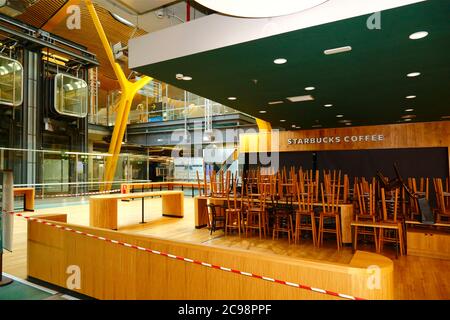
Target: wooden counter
{"x": 201, "y": 215}
{"x": 29, "y": 195}
{"x": 129, "y": 187}
{"x": 103, "y": 210}
{"x": 109, "y": 271}
{"x": 428, "y": 240}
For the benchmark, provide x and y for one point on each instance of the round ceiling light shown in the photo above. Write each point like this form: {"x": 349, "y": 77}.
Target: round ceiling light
{"x": 418, "y": 35}
{"x": 310, "y": 88}
{"x": 340, "y": 116}
{"x": 413, "y": 74}
{"x": 328, "y": 105}
{"x": 280, "y": 61}
{"x": 263, "y": 111}
{"x": 232, "y": 98}
{"x": 282, "y": 120}
{"x": 411, "y": 97}
{"x": 259, "y": 8}
{"x": 187, "y": 78}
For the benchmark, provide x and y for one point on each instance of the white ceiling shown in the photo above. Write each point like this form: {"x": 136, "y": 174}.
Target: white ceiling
{"x": 142, "y": 6}
{"x": 142, "y": 12}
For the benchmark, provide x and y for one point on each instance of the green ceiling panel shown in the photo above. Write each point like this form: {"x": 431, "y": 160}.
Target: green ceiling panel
{"x": 367, "y": 85}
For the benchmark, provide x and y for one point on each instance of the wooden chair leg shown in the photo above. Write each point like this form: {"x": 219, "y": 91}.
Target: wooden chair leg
{"x": 314, "y": 229}
{"x": 355, "y": 238}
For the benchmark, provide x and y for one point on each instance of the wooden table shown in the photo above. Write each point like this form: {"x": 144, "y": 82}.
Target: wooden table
{"x": 202, "y": 219}
{"x": 103, "y": 210}
{"x": 28, "y": 195}
{"x": 129, "y": 187}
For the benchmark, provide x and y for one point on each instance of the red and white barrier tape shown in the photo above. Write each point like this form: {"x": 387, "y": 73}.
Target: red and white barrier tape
{"x": 192, "y": 261}
{"x": 75, "y": 195}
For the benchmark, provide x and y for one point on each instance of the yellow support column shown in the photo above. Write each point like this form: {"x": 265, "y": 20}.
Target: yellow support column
{"x": 129, "y": 90}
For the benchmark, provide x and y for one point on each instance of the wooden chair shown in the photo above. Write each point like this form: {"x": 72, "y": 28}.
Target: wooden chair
{"x": 282, "y": 212}
{"x": 256, "y": 213}
{"x": 390, "y": 216}
{"x": 330, "y": 212}
{"x": 442, "y": 210}
{"x": 215, "y": 218}
{"x": 367, "y": 212}
{"x": 233, "y": 212}
{"x": 305, "y": 212}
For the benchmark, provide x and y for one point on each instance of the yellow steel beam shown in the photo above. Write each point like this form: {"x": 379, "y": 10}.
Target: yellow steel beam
{"x": 129, "y": 90}
{"x": 263, "y": 125}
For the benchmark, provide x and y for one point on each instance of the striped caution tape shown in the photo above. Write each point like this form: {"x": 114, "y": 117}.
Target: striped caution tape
{"x": 192, "y": 261}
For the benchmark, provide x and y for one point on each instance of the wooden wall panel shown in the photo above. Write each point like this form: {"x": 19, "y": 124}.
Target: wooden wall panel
{"x": 396, "y": 136}
{"x": 414, "y": 135}
{"x": 109, "y": 271}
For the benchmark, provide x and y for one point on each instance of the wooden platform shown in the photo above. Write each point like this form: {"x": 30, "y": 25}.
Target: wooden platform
{"x": 414, "y": 277}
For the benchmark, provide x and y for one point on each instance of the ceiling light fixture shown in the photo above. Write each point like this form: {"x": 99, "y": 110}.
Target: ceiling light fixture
{"x": 328, "y": 105}
{"x": 275, "y": 102}
{"x": 123, "y": 20}
{"x": 283, "y": 120}
{"x": 280, "y": 61}
{"x": 413, "y": 74}
{"x": 411, "y": 97}
{"x": 259, "y": 8}
{"x": 232, "y": 98}
{"x": 418, "y": 35}
{"x": 301, "y": 98}
{"x": 263, "y": 111}
{"x": 340, "y": 116}
{"x": 338, "y": 50}
{"x": 310, "y": 88}
{"x": 409, "y": 110}
{"x": 187, "y": 78}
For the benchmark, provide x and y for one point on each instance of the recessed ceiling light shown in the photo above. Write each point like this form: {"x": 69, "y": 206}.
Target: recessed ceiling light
{"x": 338, "y": 50}
{"x": 409, "y": 119}
{"x": 310, "y": 88}
{"x": 411, "y": 97}
{"x": 280, "y": 61}
{"x": 317, "y": 126}
{"x": 187, "y": 78}
{"x": 301, "y": 98}
{"x": 293, "y": 126}
{"x": 263, "y": 111}
{"x": 283, "y": 120}
{"x": 418, "y": 35}
{"x": 409, "y": 116}
{"x": 232, "y": 98}
{"x": 413, "y": 74}
{"x": 409, "y": 110}
{"x": 275, "y": 102}
{"x": 340, "y": 116}
{"x": 328, "y": 105}
{"x": 348, "y": 123}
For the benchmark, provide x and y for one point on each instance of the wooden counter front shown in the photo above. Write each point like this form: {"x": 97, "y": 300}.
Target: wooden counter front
{"x": 110, "y": 271}
{"x": 103, "y": 210}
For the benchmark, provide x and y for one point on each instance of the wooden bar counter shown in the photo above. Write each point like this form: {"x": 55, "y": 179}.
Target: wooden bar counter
{"x": 201, "y": 215}
{"x": 103, "y": 210}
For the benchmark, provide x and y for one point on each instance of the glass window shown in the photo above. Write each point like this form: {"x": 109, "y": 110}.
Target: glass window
{"x": 11, "y": 82}
{"x": 71, "y": 96}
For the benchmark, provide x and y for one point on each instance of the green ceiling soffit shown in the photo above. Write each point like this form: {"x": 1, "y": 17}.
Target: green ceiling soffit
{"x": 367, "y": 85}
